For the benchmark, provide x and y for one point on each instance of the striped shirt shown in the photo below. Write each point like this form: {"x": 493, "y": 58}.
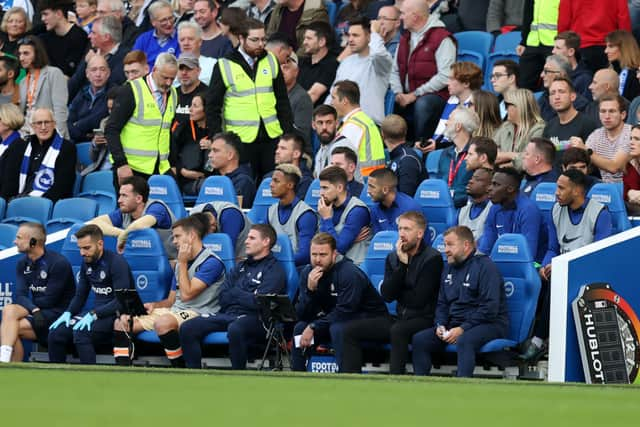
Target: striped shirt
{"x": 602, "y": 145}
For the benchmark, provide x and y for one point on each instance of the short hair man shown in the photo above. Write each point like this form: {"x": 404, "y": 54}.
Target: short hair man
{"x": 190, "y": 41}
{"x": 225, "y": 158}
{"x": 318, "y": 66}
{"x": 65, "y": 42}
{"x": 577, "y": 158}
{"x": 609, "y": 145}
{"x": 345, "y": 158}
{"x": 343, "y": 215}
{"x": 292, "y": 17}
{"x": 135, "y": 65}
{"x": 358, "y": 131}
{"x": 214, "y": 43}
{"x": 291, "y": 215}
{"x": 44, "y": 288}
{"x": 554, "y": 67}
{"x": 568, "y": 123}
{"x": 389, "y": 203}
{"x": 512, "y": 212}
{"x": 116, "y": 9}
{"x": 462, "y": 123}
{"x": 355, "y": 299}
{"x": 290, "y": 150}
{"x": 324, "y": 123}
{"x": 280, "y": 45}
{"x": 162, "y": 37}
{"x": 189, "y": 72}
{"x": 567, "y": 44}
{"x": 389, "y": 18}
{"x": 369, "y": 63}
{"x": 537, "y": 162}
{"x": 605, "y": 81}
{"x": 136, "y": 211}
{"x": 239, "y": 315}
{"x": 9, "y": 70}
{"x": 301, "y": 104}
{"x": 40, "y": 165}
{"x": 504, "y": 77}
{"x": 403, "y": 160}
{"x": 412, "y": 279}
{"x": 482, "y": 153}
{"x": 468, "y": 320}
{"x": 575, "y": 222}
{"x": 474, "y": 214}
{"x": 225, "y": 217}
{"x": 102, "y": 272}
{"x": 195, "y": 288}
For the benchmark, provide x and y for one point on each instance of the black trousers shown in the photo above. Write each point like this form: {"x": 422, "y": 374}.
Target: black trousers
{"x": 594, "y": 58}
{"x": 531, "y": 65}
{"x": 380, "y": 330}
{"x": 260, "y": 154}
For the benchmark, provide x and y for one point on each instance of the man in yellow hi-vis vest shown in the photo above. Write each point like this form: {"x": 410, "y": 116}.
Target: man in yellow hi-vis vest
{"x": 357, "y": 130}
{"x": 138, "y": 129}
{"x": 248, "y": 96}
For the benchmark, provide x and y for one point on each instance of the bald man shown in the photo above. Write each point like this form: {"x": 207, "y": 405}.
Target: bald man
{"x": 604, "y": 81}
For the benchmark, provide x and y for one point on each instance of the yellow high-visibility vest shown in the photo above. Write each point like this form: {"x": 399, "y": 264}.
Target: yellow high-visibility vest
{"x": 544, "y": 26}
{"x": 370, "y": 147}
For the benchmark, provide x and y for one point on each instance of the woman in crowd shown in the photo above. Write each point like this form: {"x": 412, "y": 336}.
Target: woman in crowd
{"x": 231, "y": 22}
{"x": 623, "y": 54}
{"x": 15, "y": 25}
{"x": 486, "y": 106}
{"x": 631, "y": 179}
{"x": 11, "y": 120}
{"x": 183, "y": 10}
{"x": 44, "y": 86}
{"x": 191, "y": 147}
{"x": 523, "y": 123}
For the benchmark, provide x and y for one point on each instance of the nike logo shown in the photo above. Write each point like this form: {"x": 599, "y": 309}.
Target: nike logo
{"x": 565, "y": 240}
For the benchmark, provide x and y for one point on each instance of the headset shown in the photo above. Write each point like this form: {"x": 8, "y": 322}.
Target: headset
{"x": 33, "y": 242}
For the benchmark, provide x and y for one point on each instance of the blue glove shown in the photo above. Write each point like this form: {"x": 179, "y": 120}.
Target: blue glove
{"x": 85, "y": 322}
{"x": 64, "y": 318}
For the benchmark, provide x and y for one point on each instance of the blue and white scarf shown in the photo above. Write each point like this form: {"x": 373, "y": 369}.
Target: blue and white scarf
{"x": 44, "y": 178}
{"x": 7, "y": 142}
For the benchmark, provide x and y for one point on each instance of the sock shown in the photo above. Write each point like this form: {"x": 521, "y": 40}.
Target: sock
{"x": 537, "y": 341}
{"x": 171, "y": 343}
{"x": 121, "y": 348}
{"x": 5, "y": 353}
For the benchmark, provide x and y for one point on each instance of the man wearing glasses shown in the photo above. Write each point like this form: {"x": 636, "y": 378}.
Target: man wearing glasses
{"x": 248, "y": 96}
{"x": 163, "y": 37}
{"x": 554, "y": 67}
{"x": 389, "y": 19}
{"x": 504, "y": 77}
{"x": 40, "y": 165}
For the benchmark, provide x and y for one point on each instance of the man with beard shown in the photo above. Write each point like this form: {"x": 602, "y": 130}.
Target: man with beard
{"x": 471, "y": 309}
{"x": 389, "y": 203}
{"x": 324, "y": 123}
{"x": 474, "y": 214}
{"x": 102, "y": 272}
{"x": 343, "y": 215}
{"x": 318, "y": 66}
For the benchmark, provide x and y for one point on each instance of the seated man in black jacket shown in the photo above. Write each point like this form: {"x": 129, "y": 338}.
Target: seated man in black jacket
{"x": 412, "y": 278}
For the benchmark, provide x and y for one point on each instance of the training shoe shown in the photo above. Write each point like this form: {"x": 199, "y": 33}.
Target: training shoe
{"x": 533, "y": 353}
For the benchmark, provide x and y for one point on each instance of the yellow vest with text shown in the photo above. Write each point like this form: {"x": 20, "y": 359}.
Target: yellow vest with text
{"x": 544, "y": 26}
{"x": 246, "y": 101}
{"x": 146, "y": 136}
{"x": 370, "y": 147}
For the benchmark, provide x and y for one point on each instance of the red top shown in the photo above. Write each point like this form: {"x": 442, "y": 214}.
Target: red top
{"x": 593, "y": 19}
{"x": 630, "y": 180}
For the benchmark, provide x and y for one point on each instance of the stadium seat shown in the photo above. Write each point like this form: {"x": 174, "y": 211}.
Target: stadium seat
{"x": 332, "y": 11}
{"x": 77, "y": 184}
{"x": 264, "y": 199}
{"x": 471, "y": 56}
{"x": 221, "y": 245}
{"x": 474, "y": 46}
{"x": 28, "y": 209}
{"x": 217, "y": 188}
{"x": 538, "y": 95}
{"x": 99, "y": 187}
{"x": 83, "y": 150}
{"x": 433, "y": 159}
{"x": 438, "y": 244}
{"x": 283, "y": 252}
{"x": 522, "y": 287}
{"x": 3, "y": 207}
{"x": 364, "y": 196}
{"x": 389, "y": 102}
{"x": 7, "y": 235}
{"x": 544, "y": 196}
{"x": 165, "y": 188}
{"x": 313, "y": 194}
{"x": 67, "y": 212}
{"x": 437, "y": 206}
{"x": 507, "y": 42}
{"x": 610, "y": 196}
{"x": 381, "y": 244}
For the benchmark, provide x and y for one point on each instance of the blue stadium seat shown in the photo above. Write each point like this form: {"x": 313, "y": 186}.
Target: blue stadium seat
{"x": 283, "y": 252}
{"x": 264, "y": 199}
{"x": 610, "y": 196}
{"x": 332, "y": 11}
{"x": 99, "y": 187}
{"x": 471, "y": 56}
{"x": 438, "y": 244}
{"x": 7, "y": 235}
{"x": 313, "y": 194}
{"x": 433, "y": 159}
{"x": 3, "y": 207}
{"x": 389, "y": 102}
{"x": 217, "y": 188}
{"x": 67, "y": 212}
{"x": 28, "y": 209}
{"x": 77, "y": 184}
{"x": 83, "y": 151}
{"x": 164, "y": 187}
{"x": 437, "y": 206}
{"x": 381, "y": 245}
{"x": 474, "y": 46}
{"x": 221, "y": 245}
{"x": 538, "y": 95}
{"x": 544, "y": 196}
{"x": 507, "y": 42}
{"x": 522, "y": 287}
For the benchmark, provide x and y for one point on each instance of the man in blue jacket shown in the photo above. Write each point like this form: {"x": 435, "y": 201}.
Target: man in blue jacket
{"x": 332, "y": 292}
{"x": 389, "y": 203}
{"x": 47, "y": 276}
{"x": 259, "y": 274}
{"x": 471, "y": 309}
{"x": 102, "y": 272}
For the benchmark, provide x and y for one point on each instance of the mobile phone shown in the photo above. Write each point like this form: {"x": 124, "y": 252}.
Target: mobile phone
{"x": 98, "y": 132}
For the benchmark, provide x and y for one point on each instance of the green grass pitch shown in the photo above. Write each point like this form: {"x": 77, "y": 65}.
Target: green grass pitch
{"x": 49, "y": 395}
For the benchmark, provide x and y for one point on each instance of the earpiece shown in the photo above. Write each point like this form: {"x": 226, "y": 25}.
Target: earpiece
{"x": 33, "y": 242}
